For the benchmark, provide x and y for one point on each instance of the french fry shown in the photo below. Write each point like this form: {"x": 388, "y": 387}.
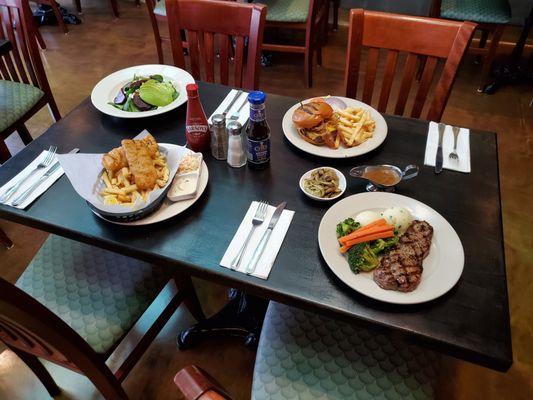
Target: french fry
{"x": 106, "y": 180}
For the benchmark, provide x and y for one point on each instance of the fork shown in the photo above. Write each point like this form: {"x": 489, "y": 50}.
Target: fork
{"x": 43, "y": 164}
{"x": 453, "y": 155}
{"x": 257, "y": 220}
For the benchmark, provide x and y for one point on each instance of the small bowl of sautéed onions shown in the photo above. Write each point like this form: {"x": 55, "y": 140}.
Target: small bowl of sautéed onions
{"x": 323, "y": 183}
{"x": 383, "y": 177}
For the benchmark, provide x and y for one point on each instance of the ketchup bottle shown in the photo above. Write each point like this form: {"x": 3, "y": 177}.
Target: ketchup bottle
{"x": 196, "y": 126}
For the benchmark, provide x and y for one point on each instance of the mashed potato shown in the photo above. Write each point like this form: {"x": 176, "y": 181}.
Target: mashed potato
{"x": 399, "y": 217}
{"x": 366, "y": 217}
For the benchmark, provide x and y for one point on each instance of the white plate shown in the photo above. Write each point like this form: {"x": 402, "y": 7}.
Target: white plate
{"x": 442, "y": 267}
{"x": 170, "y": 209}
{"x": 342, "y": 184}
{"x": 342, "y": 152}
{"x": 106, "y": 90}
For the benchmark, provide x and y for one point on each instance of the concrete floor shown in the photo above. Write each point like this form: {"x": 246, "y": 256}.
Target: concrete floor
{"x": 101, "y": 45}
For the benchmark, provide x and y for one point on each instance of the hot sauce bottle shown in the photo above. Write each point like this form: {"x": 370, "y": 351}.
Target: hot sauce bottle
{"x": 196, "y": 126}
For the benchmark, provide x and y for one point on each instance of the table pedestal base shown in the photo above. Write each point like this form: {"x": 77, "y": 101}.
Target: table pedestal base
{"x": 241, "y": 317}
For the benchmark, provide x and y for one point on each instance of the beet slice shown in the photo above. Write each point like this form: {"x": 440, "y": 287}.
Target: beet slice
{"x": 120, "y": 98}
{"x": 140, "y": 104}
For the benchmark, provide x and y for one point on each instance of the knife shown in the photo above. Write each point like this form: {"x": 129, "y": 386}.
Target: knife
{"x": 250, "y": 268}
{"x": 237, "y": 95}
{"x": 438, "y": 160}
{"x": 24, "y": 195}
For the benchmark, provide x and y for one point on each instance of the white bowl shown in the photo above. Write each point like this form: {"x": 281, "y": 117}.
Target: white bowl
{"x": 342, "y": 184}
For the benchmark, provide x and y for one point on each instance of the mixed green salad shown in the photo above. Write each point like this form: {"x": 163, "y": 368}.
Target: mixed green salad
{"x": 363, "y": 256}
{"x": 144, "y": 94}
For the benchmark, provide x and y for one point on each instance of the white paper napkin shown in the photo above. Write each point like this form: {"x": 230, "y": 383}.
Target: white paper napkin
{"x": 244, "y": 113}
{"x": 31, "y": 180}
{"x": 463, "y": 148}
{"x": 266, "y": 261}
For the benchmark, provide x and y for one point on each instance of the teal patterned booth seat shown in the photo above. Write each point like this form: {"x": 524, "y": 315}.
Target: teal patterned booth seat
{"x": 481, "y": 11}
{"x": 16, "y": 99}
{"x": 160, "y": 8}
{"x": 286, "y": 10}
{"x": 98, "y": 293}
{"x": 307, "y": 356}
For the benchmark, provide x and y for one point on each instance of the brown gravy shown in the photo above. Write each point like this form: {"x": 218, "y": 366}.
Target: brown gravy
{"x": 382, "y": 176}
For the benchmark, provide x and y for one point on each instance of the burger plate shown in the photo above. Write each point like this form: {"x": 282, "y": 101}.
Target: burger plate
{"x": 379, "y": 136}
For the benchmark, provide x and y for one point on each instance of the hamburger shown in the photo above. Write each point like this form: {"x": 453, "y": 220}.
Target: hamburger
{"x": 312, "y": 122}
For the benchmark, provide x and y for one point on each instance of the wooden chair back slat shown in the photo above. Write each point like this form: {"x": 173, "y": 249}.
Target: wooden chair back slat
{"x": 390, "y": 69}
{"x": 423, "y": 88}
{"x": 432, "y": 38}
{"x": 223, "y": 47}
{"x": 21, "y": 41}
{"x": 9, "y": 34}
{"x": 407, "y": 80}
{"x": 239, "y": 58}
{"x": 370, "y": 74}
{"x": 227, "y": 21}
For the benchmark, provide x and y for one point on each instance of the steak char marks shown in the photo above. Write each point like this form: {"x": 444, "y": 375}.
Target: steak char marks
{"x": 401, "y": 268}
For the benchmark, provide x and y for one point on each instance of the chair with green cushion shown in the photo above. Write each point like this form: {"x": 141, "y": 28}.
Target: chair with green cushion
{"x": 307, "y": 356}
{"x": 75, "y": 303}
{"x": 491, "y": 17}
{"x": 158, "y": 15}
{"x": 24, "y": 89}
{"x": 309, "y": 16}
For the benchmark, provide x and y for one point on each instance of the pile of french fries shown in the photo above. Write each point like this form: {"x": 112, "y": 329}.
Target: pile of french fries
{"x": 121, "y": 188}
{"x": 354, "y": 126}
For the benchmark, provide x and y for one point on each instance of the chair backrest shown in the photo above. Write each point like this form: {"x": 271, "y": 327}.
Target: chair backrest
{"x": 31, "y": 327}
{"x": 215, "y": 27}
{"x": 23, "y": 63}
{"x": 425, "y": 40}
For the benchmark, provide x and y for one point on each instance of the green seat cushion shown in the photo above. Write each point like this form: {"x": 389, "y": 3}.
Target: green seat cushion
{"x": 98, "y": 293}
{"x": 286, "y": 10}
{"x": 307, "y": 356}
{"x": 483, "y": 11}
{"x": 160, "y": 8}
{"x": 16, "y": 99}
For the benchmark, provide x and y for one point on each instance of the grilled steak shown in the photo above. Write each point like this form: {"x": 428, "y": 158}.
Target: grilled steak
{"x": 401, "y": 268}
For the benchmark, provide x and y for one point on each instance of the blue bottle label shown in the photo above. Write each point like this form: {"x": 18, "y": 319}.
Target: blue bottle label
{"x": 258, "y": 150}
{"x": 257, "y": 114}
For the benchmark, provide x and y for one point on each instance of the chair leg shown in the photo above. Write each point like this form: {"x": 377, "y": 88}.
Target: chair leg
{"x": 40, "y": 40}
{"x": 5, "y": 240}
{"x": 54, "y": 111}
{"x": 39, "y": 370}
{"x": 114, "y": 8}
{"x": 336, "y": 5}
{"x": 24, "y": 134}
{"x": 78, "y": 6}
{"x": 489, "y": 58}
{"x": 191, "y": 299}
{"x": 59, "y": 17}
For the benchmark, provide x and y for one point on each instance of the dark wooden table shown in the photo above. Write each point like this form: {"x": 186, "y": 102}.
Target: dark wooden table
{"x": 5, "y": 46}
{"x": 470, "y": 322}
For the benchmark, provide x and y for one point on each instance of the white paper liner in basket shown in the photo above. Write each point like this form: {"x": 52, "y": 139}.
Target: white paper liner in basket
{"x": 84, "y": 172}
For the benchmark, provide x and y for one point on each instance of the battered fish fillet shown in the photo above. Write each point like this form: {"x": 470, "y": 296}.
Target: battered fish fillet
{"x": 115, "y": 160}
{"x": 141, "y": 163}
{"x": 152, "y": 145}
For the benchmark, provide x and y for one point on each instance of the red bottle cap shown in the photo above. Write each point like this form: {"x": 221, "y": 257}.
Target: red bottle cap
{"x": 192, "y": 89}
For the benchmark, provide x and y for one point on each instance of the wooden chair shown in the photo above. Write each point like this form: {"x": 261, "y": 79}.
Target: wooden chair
{"x": 75, "y": 303}
{"x": 24, "y": 89}
{"x": 423, "y": 39}
{"x": 211, "y": 26}
{"x": 491, "y": 16}
{"x": 309, "y": 16}
{"x": 158, "y": 17}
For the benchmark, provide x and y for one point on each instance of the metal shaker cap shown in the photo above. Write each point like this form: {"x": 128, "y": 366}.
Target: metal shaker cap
{"x": 234, "y": 128}
{"x": 218, "y": 119}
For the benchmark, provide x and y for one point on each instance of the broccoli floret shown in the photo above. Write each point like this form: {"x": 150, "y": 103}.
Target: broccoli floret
{"x": 377, "y": 246}
{"x": 361, "y": 258}
{"x": 346, "y": 227}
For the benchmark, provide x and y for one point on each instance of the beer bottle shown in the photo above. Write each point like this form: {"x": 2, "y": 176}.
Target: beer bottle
{"x": 257, "y": 132}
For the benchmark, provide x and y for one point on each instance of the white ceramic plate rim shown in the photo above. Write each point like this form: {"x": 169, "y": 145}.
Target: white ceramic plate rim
{"x": 323, "y": 151}
{"x": 342, "y": 184}
{"x": 106, "y": 90}
{"x": 169, "y": 208}
{"x": 442, "y": 267}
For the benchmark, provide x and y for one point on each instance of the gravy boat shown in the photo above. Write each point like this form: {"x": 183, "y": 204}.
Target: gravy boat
{"x": 408, "y": 172}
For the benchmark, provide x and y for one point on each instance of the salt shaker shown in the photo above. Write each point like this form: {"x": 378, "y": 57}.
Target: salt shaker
{"x": 219, "y": 137}
{"x": 236, "y": 151}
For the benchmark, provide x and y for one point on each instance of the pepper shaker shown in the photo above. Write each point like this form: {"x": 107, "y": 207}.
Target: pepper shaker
{"x": 219, "y": 137}
{"x": 236, "y": 148}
